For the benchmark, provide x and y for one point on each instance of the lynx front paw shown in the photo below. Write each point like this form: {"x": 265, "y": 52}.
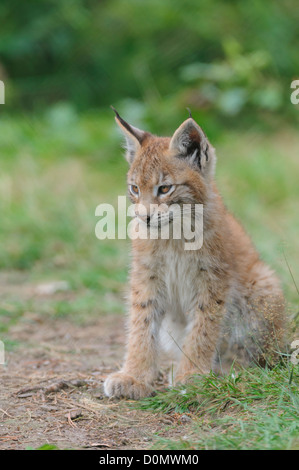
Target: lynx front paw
{"x": 120, "y": 384}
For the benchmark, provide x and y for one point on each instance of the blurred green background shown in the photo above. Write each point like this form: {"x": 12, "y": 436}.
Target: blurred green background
{"x": 64, "y": 62}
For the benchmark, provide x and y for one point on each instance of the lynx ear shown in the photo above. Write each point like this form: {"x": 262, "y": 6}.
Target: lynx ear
{"x": 190, "y": 142}
{"x": 134, "y": 137}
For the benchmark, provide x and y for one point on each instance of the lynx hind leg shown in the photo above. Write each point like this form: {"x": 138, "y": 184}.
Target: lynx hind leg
{"x": 268, "y": 329}
{"x": 266, "y": 306}
{"x": 253, "y": 330}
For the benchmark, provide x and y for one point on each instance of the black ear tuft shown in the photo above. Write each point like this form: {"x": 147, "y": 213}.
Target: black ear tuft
{"x": 113, "y": 109}
{"x": 190, "y": 115}
{"x": 134, "y": 137}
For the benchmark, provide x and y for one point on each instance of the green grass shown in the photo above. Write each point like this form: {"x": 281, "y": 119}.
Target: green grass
{"x": 45, "y": 447}
{"x": 249, "y": 409}
{"x": 55, "y": 170}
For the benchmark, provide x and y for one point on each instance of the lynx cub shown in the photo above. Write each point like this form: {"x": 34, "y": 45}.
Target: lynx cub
{"x": 194, "y": 305}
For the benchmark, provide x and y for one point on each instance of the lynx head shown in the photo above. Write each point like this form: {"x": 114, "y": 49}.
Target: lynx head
{"x": 165, "y": 171}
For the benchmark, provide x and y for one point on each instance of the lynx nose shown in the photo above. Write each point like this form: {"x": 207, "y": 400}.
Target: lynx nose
{"x": 143, "y": 213}
{"x": 145, "y": 218}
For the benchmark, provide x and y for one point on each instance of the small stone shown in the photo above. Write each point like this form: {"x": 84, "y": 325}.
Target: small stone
{"x": 50, "y": 288}
{"x": 185, "y": 419}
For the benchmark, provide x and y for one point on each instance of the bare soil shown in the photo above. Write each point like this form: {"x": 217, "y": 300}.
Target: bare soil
{"x": 51, "y": 387}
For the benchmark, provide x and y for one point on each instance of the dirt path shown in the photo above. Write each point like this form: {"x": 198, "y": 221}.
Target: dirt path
{"x": 51, "y": 389}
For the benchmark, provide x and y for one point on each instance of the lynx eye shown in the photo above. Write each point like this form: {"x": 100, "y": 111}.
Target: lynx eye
{"x": 134, "y": 189}
{"x": 165, "y": 189}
